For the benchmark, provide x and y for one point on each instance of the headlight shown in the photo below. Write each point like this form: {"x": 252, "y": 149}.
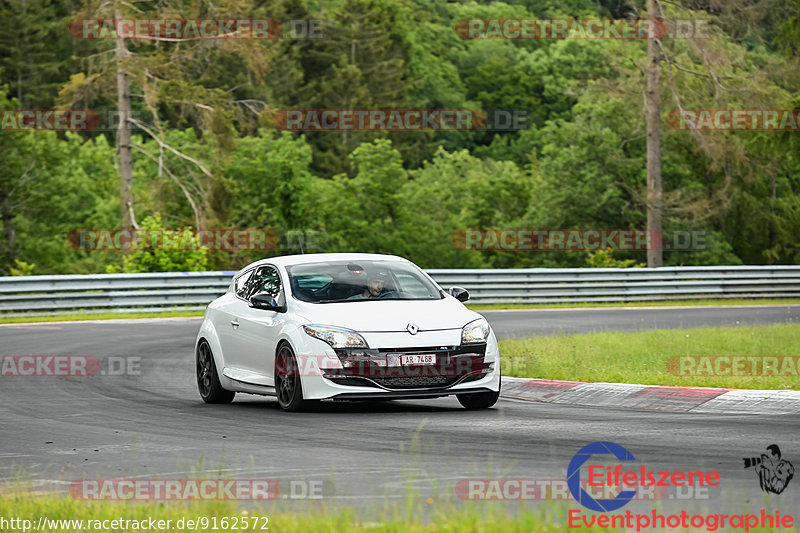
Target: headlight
{"x": 336, "y": 337}
{"x": 476, "y": 332}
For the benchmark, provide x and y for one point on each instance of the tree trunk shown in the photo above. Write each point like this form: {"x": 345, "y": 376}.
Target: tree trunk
{"x": 772, "y": 222}
{"x": 124, "y": 141}
{"x": 7, "y": 216}
{"x": 655, "y": 257}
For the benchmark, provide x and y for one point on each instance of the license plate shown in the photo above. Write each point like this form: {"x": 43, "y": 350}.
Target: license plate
{"x": 428, "y": 359}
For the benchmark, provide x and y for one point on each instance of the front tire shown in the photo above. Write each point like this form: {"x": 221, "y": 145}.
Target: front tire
{"x": 478, "y": 400}
{"x": 288, "y": 385}
{"x": 207, "y": 378}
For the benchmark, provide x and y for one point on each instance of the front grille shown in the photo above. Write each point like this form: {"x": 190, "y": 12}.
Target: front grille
{"x": 416, "y": 382}
{"x": 421, "y": 382}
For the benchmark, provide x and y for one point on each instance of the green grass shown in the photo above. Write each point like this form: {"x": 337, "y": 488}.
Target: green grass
{"x": 409, "y": 518}
{"x": 642, "y": 357}
{"x": 660, "y": 303}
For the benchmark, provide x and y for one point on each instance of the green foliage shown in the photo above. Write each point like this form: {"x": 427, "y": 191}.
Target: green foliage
{"x": 163, "y": 250}
{"x": 456, "y": 191}
{"x": 34, "y": 49}
{"x": 269, "y": 175}
{"x": 50, "y": 186}
{"x": 23, "y": 268}
{"x": 220, "y": 163}
{"x": 362, "y": 213}
{"x": 605, "y": 259}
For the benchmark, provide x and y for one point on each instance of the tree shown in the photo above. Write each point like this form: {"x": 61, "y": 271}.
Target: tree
{"x": 454, "y": 192}
{"x": 34, "y": 50}
{"x": 124, "y": 132}
{"x": 48, "y": 188}
{"x": 360, "y": 64}
{"x": 271, "y": 184}
{"x": 655, "y": 256}
{"x": 171, "y": 80}
{"x": 362, "y": 213}
{"x": 27, "y": 164}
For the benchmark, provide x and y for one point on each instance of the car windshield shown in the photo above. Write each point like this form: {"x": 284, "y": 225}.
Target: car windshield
{"x": 358, "y": 281}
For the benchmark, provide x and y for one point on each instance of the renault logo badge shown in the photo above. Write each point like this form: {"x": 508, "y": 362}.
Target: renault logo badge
{"x": 412, "y": 328}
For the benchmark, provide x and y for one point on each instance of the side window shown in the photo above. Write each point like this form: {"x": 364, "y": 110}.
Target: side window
{"x": 241, "y": 283}
{"x": 266, "y": 279}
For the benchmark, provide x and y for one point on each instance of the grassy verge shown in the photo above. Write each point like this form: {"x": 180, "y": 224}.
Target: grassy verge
{"x": 460, "y": 519}
{"x": 323, "y": 518}
{"x": 643, "y": 357}
{"x": 660, "y": 303}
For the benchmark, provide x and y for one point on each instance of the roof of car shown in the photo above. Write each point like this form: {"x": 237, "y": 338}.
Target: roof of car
{"x": 286, "y": 260}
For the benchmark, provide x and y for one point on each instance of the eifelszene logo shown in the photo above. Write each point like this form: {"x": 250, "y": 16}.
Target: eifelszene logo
{"x": 617, "y": 476}
{"x": 574, "y": 476}
{"x": 774, "y": 473}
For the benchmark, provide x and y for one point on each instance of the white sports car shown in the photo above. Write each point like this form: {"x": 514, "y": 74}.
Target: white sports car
{"x": 344, "y": 327}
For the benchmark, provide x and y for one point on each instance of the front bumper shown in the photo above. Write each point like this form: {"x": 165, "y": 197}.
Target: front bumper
{"x": 459, "y": 370}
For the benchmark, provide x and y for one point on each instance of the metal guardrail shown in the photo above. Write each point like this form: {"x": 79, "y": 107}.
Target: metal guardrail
{"x": 546, "y": 285}
{"x": 97, "y": 293}
{"x": 194, "y": 290}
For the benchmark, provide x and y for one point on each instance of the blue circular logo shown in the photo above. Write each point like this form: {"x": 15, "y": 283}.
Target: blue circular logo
{"x": 574, "y": 477}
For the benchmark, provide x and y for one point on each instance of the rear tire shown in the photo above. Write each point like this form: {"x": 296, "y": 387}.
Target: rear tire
{"x": 207, "y": 378}
{"x": 288, "y": 385}
{"x": 478, "y": 400}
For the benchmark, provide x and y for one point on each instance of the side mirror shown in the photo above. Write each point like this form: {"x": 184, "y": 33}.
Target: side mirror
{"x": 459, "y": 293}
{"x": 268, "y": 302}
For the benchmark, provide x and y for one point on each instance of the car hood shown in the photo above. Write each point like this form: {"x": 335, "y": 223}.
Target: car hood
{"x": 389, "y": 315}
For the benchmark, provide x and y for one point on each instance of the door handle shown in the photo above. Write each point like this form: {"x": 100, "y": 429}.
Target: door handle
{"x": 235, "y": 322}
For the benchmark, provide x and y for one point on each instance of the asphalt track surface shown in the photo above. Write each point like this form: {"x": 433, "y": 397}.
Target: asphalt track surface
{"x": 527, "y": 323}
{"x": 154, "y": 425}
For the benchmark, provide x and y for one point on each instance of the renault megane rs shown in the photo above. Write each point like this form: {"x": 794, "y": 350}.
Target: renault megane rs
{"x": 312, "y": 327}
